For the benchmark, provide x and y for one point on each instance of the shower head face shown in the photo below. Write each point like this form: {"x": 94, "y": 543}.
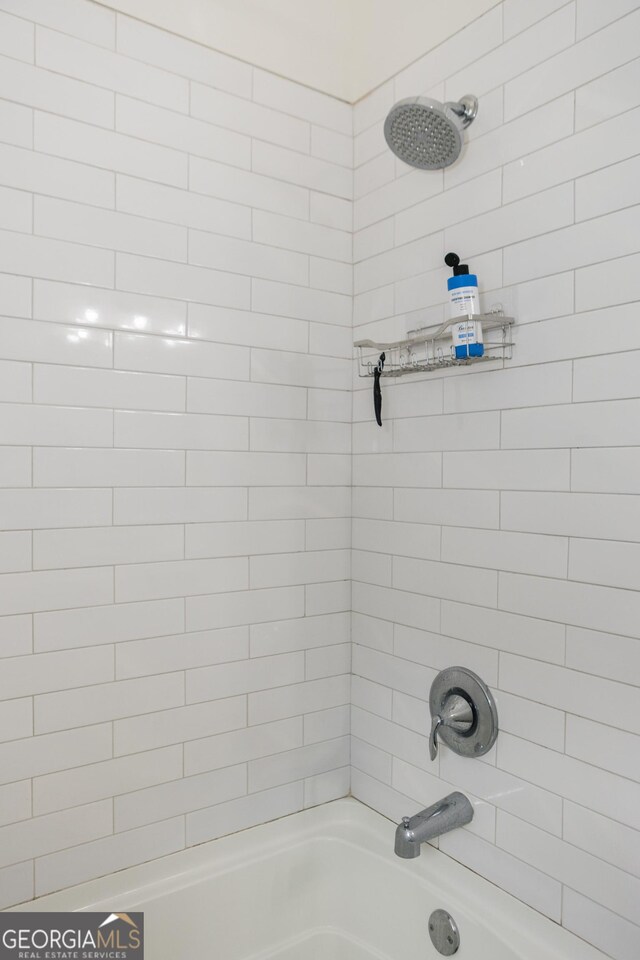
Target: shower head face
{"x": 425, "y": 133}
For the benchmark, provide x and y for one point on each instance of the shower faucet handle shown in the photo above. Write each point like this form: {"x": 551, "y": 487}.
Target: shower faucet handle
{"x": 457, "y": 714}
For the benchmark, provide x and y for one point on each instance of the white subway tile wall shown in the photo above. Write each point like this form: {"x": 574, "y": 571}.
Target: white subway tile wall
{"x": 175, "y": 475}
{"x": 179, "y": 593}
{"x": 496, "y": 520}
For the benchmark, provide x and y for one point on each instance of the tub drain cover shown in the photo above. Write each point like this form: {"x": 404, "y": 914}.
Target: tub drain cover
{"x": 444, "y": 933}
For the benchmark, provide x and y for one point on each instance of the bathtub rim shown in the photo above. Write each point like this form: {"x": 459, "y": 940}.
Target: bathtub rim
{"x": 350, "y": 822}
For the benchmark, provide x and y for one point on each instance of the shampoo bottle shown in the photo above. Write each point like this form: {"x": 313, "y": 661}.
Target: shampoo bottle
{"x": 463, "y": 296}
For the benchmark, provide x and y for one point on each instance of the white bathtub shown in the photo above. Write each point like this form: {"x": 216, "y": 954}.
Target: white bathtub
{"x": 319, "y": 885}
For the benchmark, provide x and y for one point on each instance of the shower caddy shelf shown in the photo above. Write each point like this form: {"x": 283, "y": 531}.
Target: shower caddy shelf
{"x": 426, "y": 349}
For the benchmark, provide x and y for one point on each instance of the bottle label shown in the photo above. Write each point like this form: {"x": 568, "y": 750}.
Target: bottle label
{"x": 464, "y": 300}
{"x": 467, "y": 331}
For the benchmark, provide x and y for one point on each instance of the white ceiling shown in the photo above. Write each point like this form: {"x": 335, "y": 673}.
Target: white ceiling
{"x": 343, "y": 47}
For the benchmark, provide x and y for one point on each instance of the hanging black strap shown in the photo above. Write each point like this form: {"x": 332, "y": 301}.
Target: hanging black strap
{"x": 377, "y": 392}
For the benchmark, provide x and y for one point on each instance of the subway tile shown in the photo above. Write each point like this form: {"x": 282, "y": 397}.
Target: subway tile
{"x": 247, "y": 187}
{"x": 15, "y": 802}
{"x": 332, "y": 146}
{"x": 243, "y": 676}
{"x": 583, "y": 605}
{"x": 610, "y": 94}
{"x": 179, "y": 431}
{"x": 505, "y": 469}
{"x": 397, "y": 606}
{"x": 446, "y": 580}
{"x": 368, "y": 759}
{"x": 604, "y": 655}
{"x": 501, "y": 630}
{"x": 26, "y": 170}
{"x": 99, "y": 781}
{"x": 17, "y": 210}
{"x": 87, "y": 387}
{"x": 393, "y": 672}
{"x": 330, "y": 211}
{"x": 55, "y": 343}
{"x": 33, "y": 87}
{"x": 296, "y": 436}
{"x": 326, "y": 724}
{"x": 453, "y": 432}
{"x": 531, "y": 721}
{"x": 526, "y": 883}
{"x": 166, "y": 727}
{"x": 64, "y": 303}
{"x": 242, "y": 607}
{"x": 601, "y": 837}
{"x": 243, "y": 538}
{"x": 604, "y": 746}
{"x": 15, "y": 377}
{"x": 604, "y": 929}
{"x": 307, "y": 761}
{"x": 245, "y": 399}
{"x": 300, "y": 169}
{"x": 35, "y": 756}
{"x": 102, "y": 546}
{"x": 398, "y": 469}
{"x": 308, "y": 697}
{"x": 93, "y": 24}
{"x": 182, "y": 56}
{"x": 287, "y": 503}
{"x": 155, "y": 581}
{"x": 17, "y": 719}
{"x": 607, "y": 562}
{"x": 109, "y": 855}
{"x": 437, "y": 652}
{"x": 178, "y": 505}
{"x": 279, "y": 570}
{"x": 371, "y": 568}
{"x": 609, "y": 795}
{"x": 16, "y": 635}
{"x": 613, "y": 888}
{"x": 180, "y": 281}
{"x": 54, "y": 426}
{"x": 107, "y": 701}
{"x": 520, "y": 553}
{"x": 44, "y": 672}
{"x": 462, "y": 202}
{"x": 139, "y": 658}
{"x": 477, "y": 508}
{"x": 15, "y": 296}
{"x": 64, "y": 467}
{"x": 173, "y": 205}
{"x": 249, "y": 118}
{"x": 298, "y": 370}
{"x": 243, "y": 813}
{"x": 523, "y": 387}
{"x": 571, "y": 68}
{"x": 247, "y": 328}
{"x": 301, "y": 101}
{"x": 108, "y": 624}
{"x": 329, "y": 661}
{"x": 506, "y": 792}
{"x": 61, "y": 54}
{"x": 324, "y": 787}
{"x": 239, "y": 746}
{"x": 287, "y": 301}
{"x": 92, "y": 226}
{"x": 329, "y": 534}
{"x": 181, "y": 796}
{"x": 15, "y": 467}
{"x": 573, "y": 157}
{"x": 605, "y": 470}
{"x": 593, "y": 515}
{"x": 55, "y": 590}
{"x": 109, "y": 150}
{"x": 401, "y": 539}
{"x": 182, "y": 357}
{"x": 603, "y": 284}
{"x": 41, "y": 835}
{"x": 591, "y": 16}
{"x": 245, "y": 469}
{"x": 55, "y": 259}
{"x": 571, "y": 425}
{"x": 16, "y": 124}
{"x": 24, "y": 509}
{"x": 578, "y": 693}
{"x": 519, "y": 14}
{"x": 247, "y": 258}
{"x": 302, "y": 236}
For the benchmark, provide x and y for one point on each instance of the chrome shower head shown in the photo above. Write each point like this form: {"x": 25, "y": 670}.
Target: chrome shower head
{"x": 426, "y": 133}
